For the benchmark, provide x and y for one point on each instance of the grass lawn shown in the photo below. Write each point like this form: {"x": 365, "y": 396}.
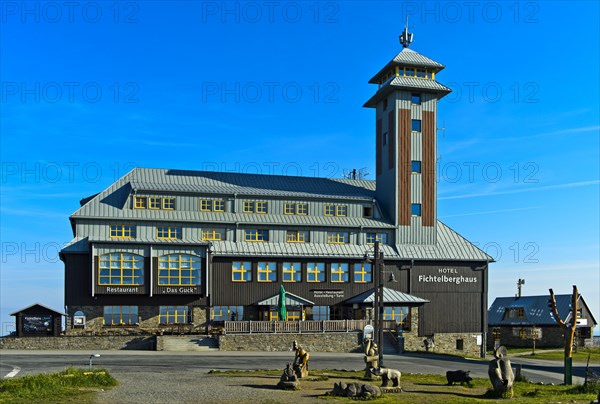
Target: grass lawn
{"x": 580, "y": 356}
{"x": 70, "y": 386}
{"x": 417, "y": 388}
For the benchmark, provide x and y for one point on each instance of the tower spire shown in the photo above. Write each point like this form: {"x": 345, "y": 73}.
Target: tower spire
{"x": 406, "y": 38}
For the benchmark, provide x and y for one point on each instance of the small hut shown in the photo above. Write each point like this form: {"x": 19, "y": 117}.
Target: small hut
{"x": 38, "y": 320}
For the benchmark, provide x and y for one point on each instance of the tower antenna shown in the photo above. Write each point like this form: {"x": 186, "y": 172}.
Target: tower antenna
{"x": 406, "y": 38}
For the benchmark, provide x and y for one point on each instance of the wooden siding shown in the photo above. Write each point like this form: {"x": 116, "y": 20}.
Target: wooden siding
{"x": 428, "y": 169}
{"x": 228, "y": 293}
{"x": 457, "y": 297}
{"x": 78, "y": 289}
{"x": 403, "y": 139}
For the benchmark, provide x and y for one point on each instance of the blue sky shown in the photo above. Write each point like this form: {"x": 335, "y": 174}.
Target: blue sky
{"x": 92, "y": 89}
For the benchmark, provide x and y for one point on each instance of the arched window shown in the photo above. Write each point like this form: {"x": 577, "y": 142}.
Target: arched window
{"x": 179, "y": 270}
{"x": 121, "y": 268}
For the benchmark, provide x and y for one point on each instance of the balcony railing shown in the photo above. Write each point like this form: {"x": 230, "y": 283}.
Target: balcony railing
{"x": 299, "y": 327}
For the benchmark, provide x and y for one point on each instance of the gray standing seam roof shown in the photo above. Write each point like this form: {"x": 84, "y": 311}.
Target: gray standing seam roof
{"x": 536, "y": 310}
{"x": 389, "y": 296}
{"x": 110, "y": 203}
{"x": 290, "y": 300}
{"x": 410, "y": 83}
{"x": 408, "y": 57}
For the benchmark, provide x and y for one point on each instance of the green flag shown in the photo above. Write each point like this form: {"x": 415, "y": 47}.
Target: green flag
{"x": 281, "y": 310}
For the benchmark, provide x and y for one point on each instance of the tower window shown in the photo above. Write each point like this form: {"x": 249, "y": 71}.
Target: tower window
{"x": 384, "y": 105}
{"x": 415, "y": 166}
{"x": 384, "y": 138}
{"x": 415, "y": 209}
{"x": 415, "y": 125}
{"x": 415, "y": 98}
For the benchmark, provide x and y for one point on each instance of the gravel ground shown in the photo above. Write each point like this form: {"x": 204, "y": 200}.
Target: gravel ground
{"x": 200, "y": 387}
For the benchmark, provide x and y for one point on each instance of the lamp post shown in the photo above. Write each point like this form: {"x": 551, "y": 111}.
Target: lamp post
{"x": 378, "y": 272}
{"x": 378, "y": 299}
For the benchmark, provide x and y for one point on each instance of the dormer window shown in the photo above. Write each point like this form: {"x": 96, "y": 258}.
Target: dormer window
{"x": 514, "y": 312}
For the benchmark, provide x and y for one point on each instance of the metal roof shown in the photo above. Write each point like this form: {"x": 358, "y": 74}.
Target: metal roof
{"x": 38, "y": 304}
{"x": 406, "y": 83}
{"x": 408, "y": 57}
{"x": 228, "y": 183}
{"x": 290, "y": 300}
{"x": 389, "y": 296}
{"x": 536, "y": 310}
{"x": 450, "y": 246}
{"x": 110, "y": 204}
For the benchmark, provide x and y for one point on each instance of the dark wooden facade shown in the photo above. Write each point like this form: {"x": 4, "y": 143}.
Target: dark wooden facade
{"x": 38, "y": 321}
{"x": 457, "y": 291}
{"x": 78, "y": 288}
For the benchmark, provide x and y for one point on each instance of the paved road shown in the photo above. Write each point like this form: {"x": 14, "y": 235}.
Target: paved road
{"x": 31, "y": 362}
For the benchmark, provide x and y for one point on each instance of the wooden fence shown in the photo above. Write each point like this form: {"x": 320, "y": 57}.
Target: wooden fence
{"x": 299, "y": 327}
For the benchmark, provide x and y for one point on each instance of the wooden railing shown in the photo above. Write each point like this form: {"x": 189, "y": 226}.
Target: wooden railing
{"x": 298, "y": 327}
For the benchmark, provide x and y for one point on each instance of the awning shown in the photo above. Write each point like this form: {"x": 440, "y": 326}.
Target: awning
{"x": 389, "y": 296}
{"x": 290, "y": 300}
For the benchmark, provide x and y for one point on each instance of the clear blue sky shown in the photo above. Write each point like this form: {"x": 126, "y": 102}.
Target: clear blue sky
{"x": 91, "y": 90}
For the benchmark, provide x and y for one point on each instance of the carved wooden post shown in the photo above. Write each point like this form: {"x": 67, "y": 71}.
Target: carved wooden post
{"x": 569, "y": 331}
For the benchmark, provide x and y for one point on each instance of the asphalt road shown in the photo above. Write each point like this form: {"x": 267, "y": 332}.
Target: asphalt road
{"x": 31, "y": 362}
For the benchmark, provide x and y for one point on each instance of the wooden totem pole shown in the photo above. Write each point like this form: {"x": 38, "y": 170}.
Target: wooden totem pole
{"x": 569, "y": 331}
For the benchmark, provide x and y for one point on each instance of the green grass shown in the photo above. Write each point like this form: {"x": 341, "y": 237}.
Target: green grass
{"x": 70, "y": 385}
{"x": 580, "y": 356}
{"x": 426, "y": 388}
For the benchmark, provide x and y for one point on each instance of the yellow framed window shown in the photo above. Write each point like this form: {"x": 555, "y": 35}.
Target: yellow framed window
{"x": 315, "y": 272}
{"x": 337, "y": 237}
{"x": 341, "y": 210}
{"x": 206, "y": 205}
{"x": 329, "y": 210}
{"x": 302, "y": 209}
{"x": 168, "y": 203}
{"x": 266, "y": 271}
{"x": 289, "y": 208}
{"x": 121, "y": 268}
{"x": 241, "y": 271}
{"x": 168, "y": 232}
{"x": 297, "y": 236}
{"x": 227, "y": 313}
{"x": 120, "y": 315}
{"x": 174, "y": 315}
{"x": 293, "y": 315}
{"x": 339, "y": 272}
{"x": 154, "y": 202}
{"x": 179, "y": 270}
{"x": 141, "y": 202}
{"x": 213, "y": 234}
{"x": 256, "y": 235}
{"x": 362, "y": 272}
{"x": 122, "y": 231}
{"x": 372, "y": 237}
{"x": 261, "y": 207}
{"x": 219, "y": 205}
{"x": 397, "y": 314}
{"x": 292, "y": 272}
{"x": 248, "y": 207}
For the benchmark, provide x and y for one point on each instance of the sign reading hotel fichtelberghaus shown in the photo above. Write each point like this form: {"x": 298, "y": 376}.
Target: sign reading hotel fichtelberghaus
{"x": 447, "y": 275}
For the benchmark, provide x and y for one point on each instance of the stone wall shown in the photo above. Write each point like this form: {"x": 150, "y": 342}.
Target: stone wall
{"x": 148, "y": 320}
{"x": 321, "y": 342}
{"x": 552, "y": 337}
{"x": 80, "y": 342}
{"x": 444, "y": 343}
